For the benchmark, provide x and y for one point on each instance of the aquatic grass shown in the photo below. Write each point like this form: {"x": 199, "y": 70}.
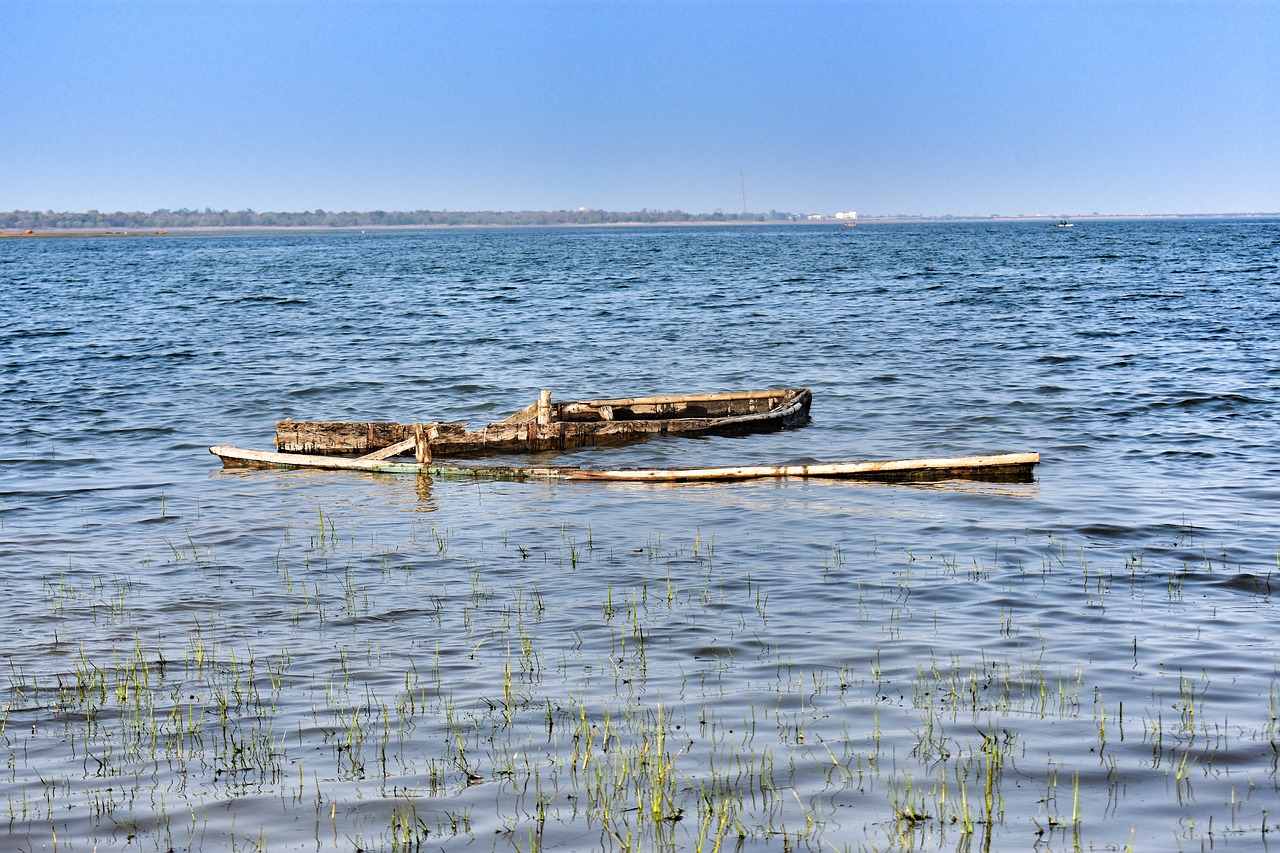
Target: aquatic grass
{"x": 682, "y": 714}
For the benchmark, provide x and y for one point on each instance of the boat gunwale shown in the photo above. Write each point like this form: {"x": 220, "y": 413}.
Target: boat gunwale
{"x": 784, "y": 396}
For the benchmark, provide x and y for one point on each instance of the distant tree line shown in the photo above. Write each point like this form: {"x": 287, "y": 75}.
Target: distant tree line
{"x": 208, "y": 218}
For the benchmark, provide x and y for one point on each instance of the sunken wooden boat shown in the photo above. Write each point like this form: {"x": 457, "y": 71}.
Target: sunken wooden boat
{"x": 550, "y": 426}
{"x": 1003, "y": 468}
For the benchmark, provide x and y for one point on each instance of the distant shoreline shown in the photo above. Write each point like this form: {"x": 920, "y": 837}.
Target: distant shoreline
{"x": 190, "y": 230}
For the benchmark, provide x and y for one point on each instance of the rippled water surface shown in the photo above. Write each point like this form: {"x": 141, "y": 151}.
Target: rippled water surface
{"x": 196, "y": 658}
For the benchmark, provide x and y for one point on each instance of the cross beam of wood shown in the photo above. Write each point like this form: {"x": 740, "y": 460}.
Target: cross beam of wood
{"x": 394, "y": 450}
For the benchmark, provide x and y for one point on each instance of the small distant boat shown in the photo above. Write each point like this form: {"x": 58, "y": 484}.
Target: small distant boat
{"x": 1003, "y": 468}
{"x": 1062, "y": 223}
{"x": 851, "y": 225}
{"x": 548, "y": 426}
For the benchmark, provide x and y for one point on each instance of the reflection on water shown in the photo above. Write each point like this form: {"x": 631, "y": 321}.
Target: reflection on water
{"x": 324, "y": 660}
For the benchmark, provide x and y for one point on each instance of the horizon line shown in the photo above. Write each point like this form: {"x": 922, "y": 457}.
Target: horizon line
{"x": 646, "y": 212}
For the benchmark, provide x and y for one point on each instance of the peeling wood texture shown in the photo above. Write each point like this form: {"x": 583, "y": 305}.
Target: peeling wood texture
{"x": 548, "y": 426}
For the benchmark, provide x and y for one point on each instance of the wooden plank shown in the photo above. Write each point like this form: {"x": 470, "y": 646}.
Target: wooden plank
{"x": 525, "y": 415}
{"x": 421, "y": 445}
{"x": 394, "y": 450}
{"x": 239, "y": 457}
{"x": 337, "y": 437}
{"x": 824, "y": 469}
{"x": 544, "y": 408}
{"x": 1014, "y": 465}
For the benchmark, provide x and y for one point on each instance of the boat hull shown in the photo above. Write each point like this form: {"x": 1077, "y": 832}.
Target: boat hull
{"x": 570, "y": 426}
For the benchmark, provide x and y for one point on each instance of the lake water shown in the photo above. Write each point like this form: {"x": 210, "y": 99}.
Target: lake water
{"x": 257, "y": 660}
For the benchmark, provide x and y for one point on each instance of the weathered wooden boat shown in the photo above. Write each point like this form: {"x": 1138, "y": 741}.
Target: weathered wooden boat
{"x": 546, "y": 425}
{"x": 1005, "y": 468}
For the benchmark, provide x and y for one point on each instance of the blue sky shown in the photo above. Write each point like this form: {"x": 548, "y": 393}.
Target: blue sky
{"x": 903, "y": 106}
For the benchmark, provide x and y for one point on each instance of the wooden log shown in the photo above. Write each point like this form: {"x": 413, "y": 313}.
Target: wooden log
{"x": 544, "y": 408}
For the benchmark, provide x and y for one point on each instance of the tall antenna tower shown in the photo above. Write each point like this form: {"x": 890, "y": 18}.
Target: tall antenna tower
{"x": 742, "y": 194}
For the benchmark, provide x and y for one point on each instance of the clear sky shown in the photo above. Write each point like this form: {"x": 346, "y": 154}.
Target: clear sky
{"x": 880, "y": 106}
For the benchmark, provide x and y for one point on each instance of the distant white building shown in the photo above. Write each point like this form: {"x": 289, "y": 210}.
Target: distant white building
{"x": 848, "y": 214}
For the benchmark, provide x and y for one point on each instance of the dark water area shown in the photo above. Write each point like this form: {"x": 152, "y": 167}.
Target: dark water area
{"x": 252, "y": 660}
